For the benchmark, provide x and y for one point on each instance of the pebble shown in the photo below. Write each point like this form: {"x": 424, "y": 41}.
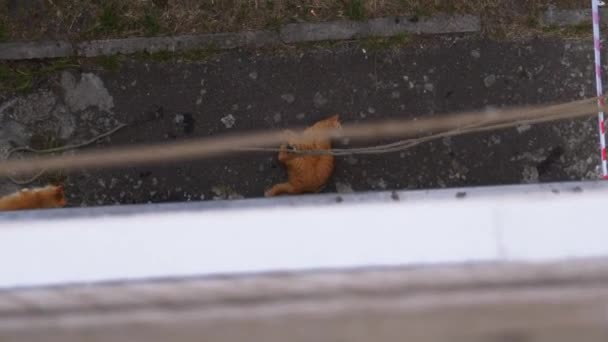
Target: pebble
{"x": 523, "y": 128}
{"x": 253, "y": 75}
{"x": 344, "y": 188}
{"x": 228, "y": 121}
{"x": 475, "y": 54}
{"x": 395, "y": 95}
{"x": 319, "y": 100}
{"x": 277, "y": 117}
{"x": 300, "y": 116}
{"x": 289, "y": 98}
{"x": 489, "y": 80}
{"x": 530, "y": 174}
{"x": 352, "y": 160}
{"x": 429, "y": 87}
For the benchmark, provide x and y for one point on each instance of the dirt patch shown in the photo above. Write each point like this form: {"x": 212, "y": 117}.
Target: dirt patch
{"x": 85, "y": 19}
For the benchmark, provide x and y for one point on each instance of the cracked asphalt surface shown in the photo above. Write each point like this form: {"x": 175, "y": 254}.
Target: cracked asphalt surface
{"x": 244, "y": 90}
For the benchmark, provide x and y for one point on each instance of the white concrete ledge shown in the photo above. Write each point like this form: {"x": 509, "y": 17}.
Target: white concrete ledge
{"x": 533, "y": 223}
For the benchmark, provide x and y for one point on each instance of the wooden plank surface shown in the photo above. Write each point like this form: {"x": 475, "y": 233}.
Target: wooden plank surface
{"x": 557, "y": 302}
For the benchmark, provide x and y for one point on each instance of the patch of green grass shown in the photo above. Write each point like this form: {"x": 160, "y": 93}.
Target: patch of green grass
{"x": 160, "y": 56}
{"x": 151, "y": 22}
{"x": 355, "y": 9}
{"x": 194, "y": 55}
{"x": 579, "y": 30}
{"x": 15, "y": 78}
{"x": 385, "y": 43}
{"x": 110, "y": 63}
{"x": 274, "y": 23}
{"x": 200, "y": 54}
{"x": 20, "y": 77}
{"x": 111, "y": 19}
{"x": 422, "y": 12}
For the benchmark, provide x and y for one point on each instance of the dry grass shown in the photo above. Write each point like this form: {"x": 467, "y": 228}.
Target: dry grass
{"x": 83, "y": 19}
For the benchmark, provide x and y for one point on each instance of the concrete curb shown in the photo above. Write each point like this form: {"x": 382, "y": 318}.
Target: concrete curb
{"x": 563, "y": 18}
{"x": 291, "y": 33}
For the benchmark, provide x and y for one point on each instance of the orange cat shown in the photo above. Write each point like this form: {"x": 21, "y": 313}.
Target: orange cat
{"x": 50, "y": 196}
{"x": 306, "y": 173}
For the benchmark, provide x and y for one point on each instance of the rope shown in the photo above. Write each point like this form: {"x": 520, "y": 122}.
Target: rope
{"x": 447, "y": 125}
{"x": 54, "y": 150}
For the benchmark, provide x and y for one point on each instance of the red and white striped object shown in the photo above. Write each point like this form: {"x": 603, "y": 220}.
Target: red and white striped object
{"x": 598, "y": 81}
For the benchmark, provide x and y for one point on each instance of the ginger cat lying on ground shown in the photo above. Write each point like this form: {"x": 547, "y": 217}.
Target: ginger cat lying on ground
{"x": 50, "y": 196}
{"x": 306, "y": 173}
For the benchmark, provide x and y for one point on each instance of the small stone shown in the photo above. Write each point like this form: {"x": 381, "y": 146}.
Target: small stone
{"x": 406, "y": 78}
{"x": 447, "y": 141}
{"x": 377, "y": 183}
{"x": 134, "y": 83}
{"x": 344, "y": 188}
{"x": 530, "y": 174}
{"x": 429, "y": 87}
{"x": 289, "y": 98}
{"x": 395, "y": 95}
{"x": 253, "y": 75}
{"x": 523, "y": 128}
{"x": 179, "y": 118}
{"x": 202, "y": 197}
{"x": 277, "y": 117}
{"x": 235, "y": 107}
{"x": 489, "y": 80}
{"x": 352, "y": 160}
{"x": 319, "y": 100}
{"x": 371, "y": 110}
{"x": 475, "y": 54}
{"x": 411, "y": 85}
{"x": 101, "y": 183}
{"x": 152, "y": 193}
{"x": 300, "y": 116}
{"x": 228, "y": 121}
{"x": 203, "y": 92}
